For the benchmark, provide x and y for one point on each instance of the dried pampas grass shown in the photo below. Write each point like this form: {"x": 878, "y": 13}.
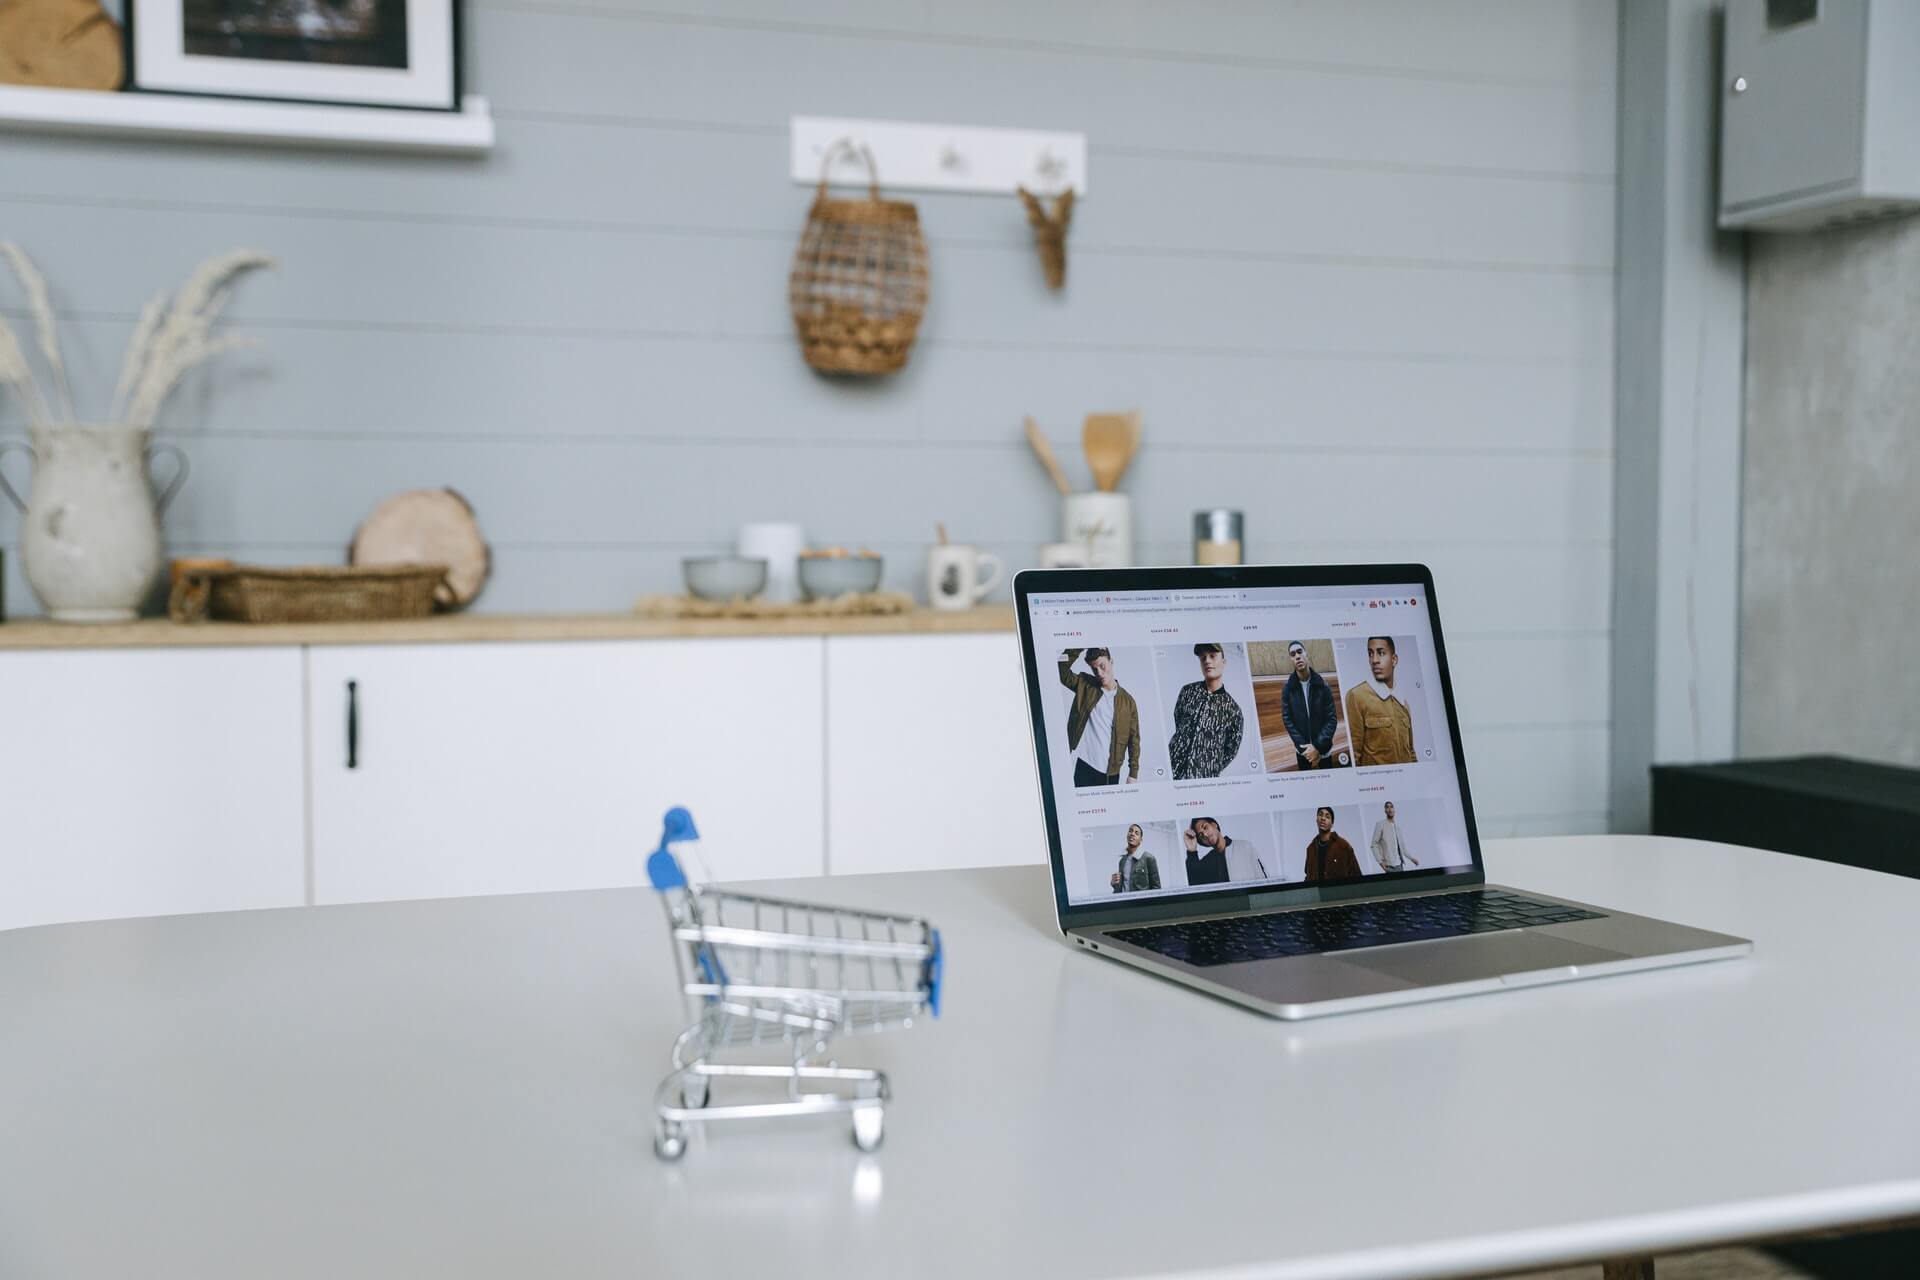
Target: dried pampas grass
{"x": 173, "y": 336}
{"x": 15, "y": 372}
{"x": 34, "y": 285}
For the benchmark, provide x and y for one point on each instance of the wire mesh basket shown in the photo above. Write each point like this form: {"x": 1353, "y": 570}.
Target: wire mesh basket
{"x": 859, "y": 282}
{"x": 756, "y": 970}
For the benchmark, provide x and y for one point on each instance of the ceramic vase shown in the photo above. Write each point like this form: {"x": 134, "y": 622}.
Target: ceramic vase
{"x": 90, "y": 539}
{"x": 1103, "y": 524}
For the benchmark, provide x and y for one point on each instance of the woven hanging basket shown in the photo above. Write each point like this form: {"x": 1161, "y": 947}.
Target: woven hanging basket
{"x": 859, "y": 282}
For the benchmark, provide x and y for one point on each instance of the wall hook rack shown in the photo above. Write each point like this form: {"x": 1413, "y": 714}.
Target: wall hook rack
{"x": 943, "y": 157}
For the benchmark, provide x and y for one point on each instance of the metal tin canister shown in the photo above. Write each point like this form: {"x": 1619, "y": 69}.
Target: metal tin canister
{"x": 1218, "y": 537}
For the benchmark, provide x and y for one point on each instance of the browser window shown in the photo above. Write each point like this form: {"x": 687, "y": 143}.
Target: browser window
{"x": 1266, "y": 737}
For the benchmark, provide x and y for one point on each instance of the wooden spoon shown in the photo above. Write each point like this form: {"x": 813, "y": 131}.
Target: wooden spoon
{"x": 1044, "y": 451}
{"x": 1110, "y": 440}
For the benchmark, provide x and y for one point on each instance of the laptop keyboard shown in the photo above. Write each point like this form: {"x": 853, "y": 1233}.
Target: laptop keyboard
{"x": 1232, "y": 939}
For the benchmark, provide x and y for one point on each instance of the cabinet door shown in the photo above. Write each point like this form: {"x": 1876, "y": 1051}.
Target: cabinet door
{"x": 929, "y": 760}
{"x": 518, "y": 768}
{"x": 1796, "y": 125}
{"x": 143, "y": 782}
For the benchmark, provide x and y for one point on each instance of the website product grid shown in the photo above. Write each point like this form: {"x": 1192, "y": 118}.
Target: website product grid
{"x": 1273, "y": 736}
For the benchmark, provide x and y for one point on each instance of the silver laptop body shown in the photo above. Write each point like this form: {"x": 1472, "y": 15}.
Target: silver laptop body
{"x": 1191, "y": 727}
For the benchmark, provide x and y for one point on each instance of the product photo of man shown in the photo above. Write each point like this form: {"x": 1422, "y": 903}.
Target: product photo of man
{"x": 1378, "y": 715}
{"x": 1389, "y": 844}
{"x": 1103, "y": 722}
{"x": 1138, "y": 869}
{"x": 1226, "y": 860}
{"x": 1207, "y": 722}
{"x": 1329, "y": 855}
{"x": 1309, "y": 710}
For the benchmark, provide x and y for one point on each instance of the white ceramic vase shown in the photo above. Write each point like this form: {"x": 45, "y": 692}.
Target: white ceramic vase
{"x": 90, "y": 540}
{"x": 1103, "y": 524}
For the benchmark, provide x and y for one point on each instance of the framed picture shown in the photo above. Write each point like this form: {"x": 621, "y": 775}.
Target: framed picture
{"x": 373, "y": 53}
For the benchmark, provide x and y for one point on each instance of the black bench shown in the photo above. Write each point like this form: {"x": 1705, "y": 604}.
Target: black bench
{"x": 1828, "y": 807}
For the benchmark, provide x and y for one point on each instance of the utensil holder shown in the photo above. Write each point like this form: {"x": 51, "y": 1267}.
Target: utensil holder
{"x": 1103, "y": 524}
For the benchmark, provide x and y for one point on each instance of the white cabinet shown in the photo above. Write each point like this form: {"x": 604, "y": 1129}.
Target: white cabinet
{"x": 138, "y": 783}
{"x": 507, "y": 768}
{"x": 153, "y": 781}
{"x": 929, "y": 759}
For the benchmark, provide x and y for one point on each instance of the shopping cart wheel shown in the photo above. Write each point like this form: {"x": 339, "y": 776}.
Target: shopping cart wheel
{"x": 670, "y": 1140}
{"x": 693, "y": 1092}
{"x": 869, "y": 1126}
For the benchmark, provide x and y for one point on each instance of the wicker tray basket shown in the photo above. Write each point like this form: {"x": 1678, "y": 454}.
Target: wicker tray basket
{"x": 859, "y": 281}
{"x": 320, "y": 593}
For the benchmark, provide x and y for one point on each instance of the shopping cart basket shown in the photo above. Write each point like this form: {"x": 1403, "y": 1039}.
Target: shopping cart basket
{"x": 765, "y": 971}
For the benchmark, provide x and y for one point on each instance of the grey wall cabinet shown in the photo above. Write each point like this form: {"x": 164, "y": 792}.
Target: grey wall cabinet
{"x": 1820, "y": 112}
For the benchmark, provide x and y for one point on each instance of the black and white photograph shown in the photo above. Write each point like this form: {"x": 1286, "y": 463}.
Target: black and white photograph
{"x": 354, "y": 33}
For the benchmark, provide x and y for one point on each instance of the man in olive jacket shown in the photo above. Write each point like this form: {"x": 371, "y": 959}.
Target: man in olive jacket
{"x": 1103, "y": 726}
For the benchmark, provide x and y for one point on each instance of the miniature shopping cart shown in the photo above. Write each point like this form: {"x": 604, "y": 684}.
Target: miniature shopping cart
{"x": 763, "y": 971}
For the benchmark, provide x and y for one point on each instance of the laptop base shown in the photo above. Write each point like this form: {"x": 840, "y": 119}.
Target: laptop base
{"x": 1312, "y": 986}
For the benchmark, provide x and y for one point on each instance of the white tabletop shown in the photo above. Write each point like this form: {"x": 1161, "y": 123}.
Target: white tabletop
{"x": 463, "y": 1088}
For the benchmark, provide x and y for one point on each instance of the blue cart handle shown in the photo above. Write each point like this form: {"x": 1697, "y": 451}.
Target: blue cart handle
{"x": 936, "y": 967}
{"x": 663, "y": 869}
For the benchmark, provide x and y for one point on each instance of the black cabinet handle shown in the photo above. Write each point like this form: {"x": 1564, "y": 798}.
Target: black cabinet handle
{"x": 353, "y": 724}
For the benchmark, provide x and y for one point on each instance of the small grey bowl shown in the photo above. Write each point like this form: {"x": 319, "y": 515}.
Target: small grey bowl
{"x": 824, "y": 577}
{"x": 724, "y": 578}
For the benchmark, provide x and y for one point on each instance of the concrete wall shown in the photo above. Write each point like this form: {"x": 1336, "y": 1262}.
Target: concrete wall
{"x": 1353, "y": 262}
{"x": 1832, "y": 476}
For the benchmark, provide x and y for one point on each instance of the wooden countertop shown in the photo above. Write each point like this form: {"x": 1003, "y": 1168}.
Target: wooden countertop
{"x": 460, "y": 628}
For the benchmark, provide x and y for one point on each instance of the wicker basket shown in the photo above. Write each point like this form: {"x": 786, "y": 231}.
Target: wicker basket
{"x": 323, "y": 593}
{"x": 859, "y": 282}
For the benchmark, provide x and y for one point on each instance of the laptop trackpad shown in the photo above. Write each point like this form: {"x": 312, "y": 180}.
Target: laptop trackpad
{"x": 1486, "y": 956}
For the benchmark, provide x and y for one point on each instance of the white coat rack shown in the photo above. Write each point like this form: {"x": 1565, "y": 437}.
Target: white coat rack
{"x": 942, "y": 157}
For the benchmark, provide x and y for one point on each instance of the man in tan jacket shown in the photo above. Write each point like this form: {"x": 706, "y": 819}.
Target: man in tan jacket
{"x": 1378, "y": 717}
{"x": 1103, "y": 725}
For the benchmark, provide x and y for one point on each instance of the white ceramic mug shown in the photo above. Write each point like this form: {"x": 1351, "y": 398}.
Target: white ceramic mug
{"x": 780, "y": 546}
{"x": 954, "y": 578}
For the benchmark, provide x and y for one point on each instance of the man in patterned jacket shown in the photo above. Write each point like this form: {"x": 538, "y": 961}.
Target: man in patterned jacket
{"x": 1207, "y": 722}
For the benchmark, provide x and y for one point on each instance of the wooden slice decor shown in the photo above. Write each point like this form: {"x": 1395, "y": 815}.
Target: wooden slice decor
{"x": 428, "y": 526}
{"x": 59, "y": 44}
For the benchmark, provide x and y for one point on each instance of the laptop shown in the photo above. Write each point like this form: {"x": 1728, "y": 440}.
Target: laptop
{"x": 1254, "y": 785}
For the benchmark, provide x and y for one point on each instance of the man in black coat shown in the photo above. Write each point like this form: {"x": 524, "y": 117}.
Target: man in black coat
{"x": 1310, "y": 711}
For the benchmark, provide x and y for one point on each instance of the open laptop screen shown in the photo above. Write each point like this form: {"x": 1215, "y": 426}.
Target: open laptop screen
{"x": 1243, "y": 737}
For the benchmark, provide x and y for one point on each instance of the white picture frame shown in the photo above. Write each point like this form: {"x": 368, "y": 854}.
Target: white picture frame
{"x": 160, "y": 61}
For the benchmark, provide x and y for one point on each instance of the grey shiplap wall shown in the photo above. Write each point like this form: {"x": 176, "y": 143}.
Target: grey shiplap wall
{"x": 1354, "y": 263}
{"x": 1832, "y": 467}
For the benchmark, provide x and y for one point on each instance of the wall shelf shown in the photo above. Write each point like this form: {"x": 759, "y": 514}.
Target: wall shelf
{"x": 160, "y": 115}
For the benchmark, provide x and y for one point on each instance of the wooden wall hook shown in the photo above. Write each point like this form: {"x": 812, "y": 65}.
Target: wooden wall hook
{"x": 1050, "y": 232}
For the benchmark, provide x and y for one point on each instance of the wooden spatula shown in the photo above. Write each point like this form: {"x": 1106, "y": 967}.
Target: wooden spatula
{"x": 1110, "y": 440}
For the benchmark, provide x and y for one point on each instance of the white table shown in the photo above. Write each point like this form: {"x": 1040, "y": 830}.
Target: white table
{"x": 462, "y": 1088}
